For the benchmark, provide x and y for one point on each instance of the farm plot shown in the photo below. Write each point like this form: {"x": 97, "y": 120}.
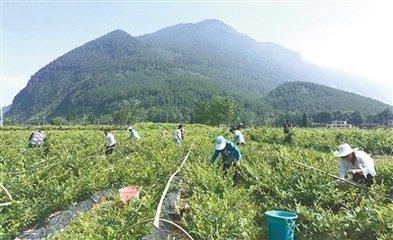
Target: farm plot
{"x": 211, "y": 206}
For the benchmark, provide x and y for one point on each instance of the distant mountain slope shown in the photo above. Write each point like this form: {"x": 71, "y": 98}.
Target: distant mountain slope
{"x": 100, "y": 74}
{"x": 6, "y": 108}
{"x": 213, "y": 43}
{"x": 216, "y": 49}
{"x": 165, "y": 73}
{"x": 311, "y": 97}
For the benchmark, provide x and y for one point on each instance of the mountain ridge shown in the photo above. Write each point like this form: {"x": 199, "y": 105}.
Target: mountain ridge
{"x": 310, "y": 97}
{"x": 190, "y": 62}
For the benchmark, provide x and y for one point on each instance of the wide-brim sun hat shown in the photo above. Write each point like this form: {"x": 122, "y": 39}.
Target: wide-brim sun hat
{"x": 220, "y": 144}
{"x": 344, "y": 150}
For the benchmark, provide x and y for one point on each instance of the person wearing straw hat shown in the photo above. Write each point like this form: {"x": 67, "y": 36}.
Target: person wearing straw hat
{"x": 230, "y": 154}
{"x": 133, "y": 133}
{"x": 110, "y": 142}
{"x": 357, "y": 163}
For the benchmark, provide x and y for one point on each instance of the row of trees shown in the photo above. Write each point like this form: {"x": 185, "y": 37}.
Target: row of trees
{"x": 356, "y": 118}
{"x": 216, "y": 111}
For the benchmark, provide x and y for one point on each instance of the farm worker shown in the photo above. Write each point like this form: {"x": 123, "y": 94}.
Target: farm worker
{"x": 358, "y": 164}
{"x": 287, "y": 126}
{"x": 182, "y": 130}
{"x": 230, "y": 154}
{"x": 110, "y": 142}
{"x": 36, "y": 139}
{"x": 178, "y": 135}
{"x": 133, "y": 133}
{"x": 239, "y": 138}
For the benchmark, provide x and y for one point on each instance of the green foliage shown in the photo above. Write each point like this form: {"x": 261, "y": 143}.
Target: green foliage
{"x": 57, "y": 121}
{"x": 323, "y": 117}
{"x": 8, "y": 121}
{"x": 218, "y": 110}
{"x": 222, "y": 111}
{"x": 306, "y": 120}
{"x": 299, "y": 97}
{"x": 385, "y": 115}
{"x": 91, "y": 118}
{"x": 45, "y": 181}
{"x": 356, "y": 118}
{"x": 127, "y": 112}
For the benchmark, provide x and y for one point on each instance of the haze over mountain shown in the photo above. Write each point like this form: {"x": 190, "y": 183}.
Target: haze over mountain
{"x": 214, "y": 35}
{"x": 164, "y": 73}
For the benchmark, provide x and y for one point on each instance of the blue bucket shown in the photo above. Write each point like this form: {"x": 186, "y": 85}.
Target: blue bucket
{"x": 281, "y": 225}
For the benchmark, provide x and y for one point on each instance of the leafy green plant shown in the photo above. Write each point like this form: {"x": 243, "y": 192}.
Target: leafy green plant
{"x": 44, "y": 181}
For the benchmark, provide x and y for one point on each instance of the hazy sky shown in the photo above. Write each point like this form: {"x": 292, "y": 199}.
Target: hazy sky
{"x": 354, "y": 36}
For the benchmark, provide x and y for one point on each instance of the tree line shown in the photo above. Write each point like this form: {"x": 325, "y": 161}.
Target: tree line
{"x": 215, "y": 112}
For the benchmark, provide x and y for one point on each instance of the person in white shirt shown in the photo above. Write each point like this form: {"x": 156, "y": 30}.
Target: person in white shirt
{"x": 178, "y": 134}
{"x": 36, "y": 139}
{"x": 133, "y": 133}
{"x": 239, "y": 138}
{"x": 110, "y": 142}
{"x": 357, "y": 163}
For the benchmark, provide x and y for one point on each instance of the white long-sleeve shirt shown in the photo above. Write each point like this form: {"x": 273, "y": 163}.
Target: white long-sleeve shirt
{"x": 37, "y": 139}
{"x": 239, "y": 138}
{"x": 362, "y": 161}
{"x": 110, "y": 140}
{"x": 135, "y": 134}
{"x": 177, "y": 137}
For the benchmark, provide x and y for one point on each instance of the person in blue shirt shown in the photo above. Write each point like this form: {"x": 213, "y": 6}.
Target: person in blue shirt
{"x": 230, "y": 154}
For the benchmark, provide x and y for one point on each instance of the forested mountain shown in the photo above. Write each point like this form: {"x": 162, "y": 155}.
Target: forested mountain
{"x": 6, "y": 108}
{"x": 212, "y": 42}
{"x": 160, "y": 76}
{"x": 306, "y": 97}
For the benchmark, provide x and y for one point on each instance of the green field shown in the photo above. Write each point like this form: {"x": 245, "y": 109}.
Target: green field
{"x": 72, "y": 167}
